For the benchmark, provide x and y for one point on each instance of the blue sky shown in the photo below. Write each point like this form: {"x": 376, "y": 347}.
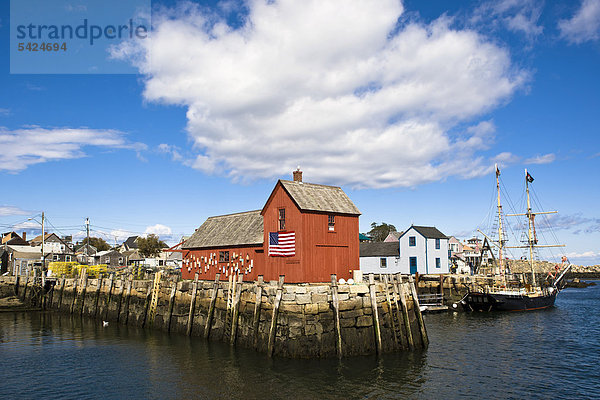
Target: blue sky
{"x": 407, "y": 106}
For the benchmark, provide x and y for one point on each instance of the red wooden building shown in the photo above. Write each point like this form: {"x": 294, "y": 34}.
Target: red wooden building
{"x": 305, "y": 231}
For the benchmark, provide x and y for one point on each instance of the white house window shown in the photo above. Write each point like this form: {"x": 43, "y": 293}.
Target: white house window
{"x": 412, "y": 241}
{"x": 438, "y": 263}
{"x": 383, "y": 262}
{"x": 120, "y": 260}
{"x": 55, "y": 257}
{"x": 437, "y": 244}
{"x": 68, "y": 258}
{"x": 331, "y": 222}
{"x": 107, "y": 260}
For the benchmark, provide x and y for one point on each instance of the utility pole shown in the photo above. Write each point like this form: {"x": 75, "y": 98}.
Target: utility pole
{"x": 87, "y": 245}
{"x": 43, "y": 241}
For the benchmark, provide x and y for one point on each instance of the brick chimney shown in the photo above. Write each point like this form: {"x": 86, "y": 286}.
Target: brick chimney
{"x": 297, "y": 175}
{"x": 24, "y": 236}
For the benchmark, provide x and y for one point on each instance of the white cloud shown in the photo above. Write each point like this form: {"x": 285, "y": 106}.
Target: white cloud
{"x": 520, "y": 16}
{"x": 171, "y": 150}
{"x": 585, "y": 254}
{"x": 541, "y": 159}
{"x": 158, "y": 230}
{"x": 33, "y": 144}
{"x": 28, "y": 225}
{"x": 11, "y": 210}
{"x": 584, "y": 25}
{"x": 119, "y": 235}
{"x": 335, "y": 87}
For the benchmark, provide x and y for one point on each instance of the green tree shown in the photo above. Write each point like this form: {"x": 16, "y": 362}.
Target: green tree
{"x": 380, "y": 232}
{"x": 150, "y": 246}
{"x": 99, "y": 243}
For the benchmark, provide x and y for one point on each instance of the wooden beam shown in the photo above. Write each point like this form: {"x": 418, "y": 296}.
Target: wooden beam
{"x": 335, "y": 302}
{"x": 273, "y": 329}
{"x": 236, "y": 309}
{"x": 257, "y": 308}
{"x": 424, "y": 338}
{"x": 192, "y": 305}
{"x": 376, "y": 326}
{"x": 211, "y": 308}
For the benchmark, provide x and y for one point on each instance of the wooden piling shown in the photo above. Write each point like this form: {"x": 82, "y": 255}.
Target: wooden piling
{"x": 120, "y": 301}
{"x": 192, "y": 306}
{"x": 257, "y": 304}
{"x": 171, "y": 305}
{"x": 335, "y": 301}
{"x": 109, "y": 295}
{"x": 211, "y": 307}
{"x": 84, "y": 277}
{"x": 424, "y": 338}
{"x": 72, "y": 308}
{"x": 236, "y": 309}
{"x": 273, "y": 329}
{"x": 405, "y": 316}
{"x": 399, "y": 316}
{"x": 25, "y": 287}
{"x": 128, "y": 298}
{"x": 147, "y": 303}
{"x": 97, "y": 301}
{"x": 18, "y": 278}
{"x": 42, "y": 291}
{"x": 62, "y": 289}
{"x": 389, "y": 304}
{"x": 376, "y": 326}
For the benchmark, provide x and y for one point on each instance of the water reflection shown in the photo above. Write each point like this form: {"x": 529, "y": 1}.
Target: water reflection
{"x": 551, "y": 353}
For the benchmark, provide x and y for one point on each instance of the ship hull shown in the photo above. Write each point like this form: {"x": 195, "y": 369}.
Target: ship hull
{"x": 482, "y": 301}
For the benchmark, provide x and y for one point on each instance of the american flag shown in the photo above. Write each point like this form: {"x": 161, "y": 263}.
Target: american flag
{"x": 282, "y": 244}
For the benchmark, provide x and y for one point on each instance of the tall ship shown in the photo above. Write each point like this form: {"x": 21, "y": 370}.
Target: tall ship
{"x": 504, "y": 290}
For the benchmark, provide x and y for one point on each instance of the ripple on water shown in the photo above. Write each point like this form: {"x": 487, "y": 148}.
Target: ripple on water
{"x": 547, "y": 354}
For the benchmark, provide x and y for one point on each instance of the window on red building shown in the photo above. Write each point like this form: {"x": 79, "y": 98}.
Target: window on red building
{"x": 223, "y": 256}
{"x": 282, "y": 219}
{"x": 331, "y": 222}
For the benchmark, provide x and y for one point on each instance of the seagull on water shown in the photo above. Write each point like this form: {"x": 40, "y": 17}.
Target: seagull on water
{"x": 104, "y": 323}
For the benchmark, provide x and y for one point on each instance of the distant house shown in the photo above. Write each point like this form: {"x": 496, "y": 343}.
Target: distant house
{"x": 23, "y": 258}
{"x": 133, "y": 257}
{"x": 423, "y": 249}
{"x": 130, "y": 244}
{"x": 56, "y": 248}
{"x": 85, "y": 254}
{"x": 14, "y": 239}
{"x": 380, "y": 258}
{"x": 112, "y": 258}
{"x": 364, "y": 238}
{"x": 393, "y": 237}
{"x": 304, "y": 231}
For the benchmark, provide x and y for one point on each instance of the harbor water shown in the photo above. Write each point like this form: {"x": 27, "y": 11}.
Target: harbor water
{"x": 552, "y": 353}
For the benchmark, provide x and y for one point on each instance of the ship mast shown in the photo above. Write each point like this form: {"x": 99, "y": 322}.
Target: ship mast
{"x": 531, "y": 235}
{"x": 500, "y": 230}
{"x": 531, "y": 230}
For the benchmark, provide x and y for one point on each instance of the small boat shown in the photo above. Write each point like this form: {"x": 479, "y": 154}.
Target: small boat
{"x": 504, "y": 295}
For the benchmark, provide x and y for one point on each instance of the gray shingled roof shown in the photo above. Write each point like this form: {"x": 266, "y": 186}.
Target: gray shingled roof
{"x": 244, "y": 228}
{"x": 379, "y": 249}
{"x": 313, "y": 197}
{"x": 430, "y": 232}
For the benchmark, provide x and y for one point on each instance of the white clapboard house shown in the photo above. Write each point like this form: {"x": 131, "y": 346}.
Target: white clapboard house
{"x": 379, "y": 258}
{"x": 423, "y": 249}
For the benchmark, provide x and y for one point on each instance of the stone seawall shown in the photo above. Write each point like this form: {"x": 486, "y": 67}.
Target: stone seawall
{"x": 299, "y": 320}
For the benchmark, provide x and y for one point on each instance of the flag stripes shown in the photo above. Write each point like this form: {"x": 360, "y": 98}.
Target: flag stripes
{"x": 282, "y": 244}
